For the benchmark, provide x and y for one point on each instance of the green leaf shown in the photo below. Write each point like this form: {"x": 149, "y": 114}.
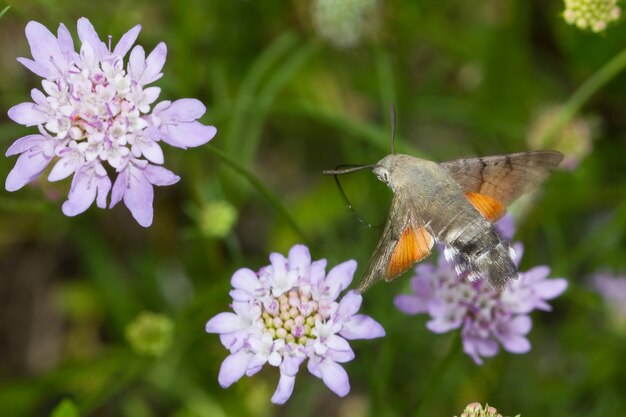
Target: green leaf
{"x": 66, "y": 408}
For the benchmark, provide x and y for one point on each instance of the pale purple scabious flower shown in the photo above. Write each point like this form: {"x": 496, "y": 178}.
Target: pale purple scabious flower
{"x": 613, "y": 289}
{"x": 487, "y": 319}
{"x": 287, "y": 313}
{"x": 95, "y": 118}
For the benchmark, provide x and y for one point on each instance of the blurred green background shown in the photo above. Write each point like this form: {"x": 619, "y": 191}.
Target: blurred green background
{"x": 292, "y": 95}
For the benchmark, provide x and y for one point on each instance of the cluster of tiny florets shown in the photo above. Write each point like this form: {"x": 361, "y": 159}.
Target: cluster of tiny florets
{"x": 592, "y": 15}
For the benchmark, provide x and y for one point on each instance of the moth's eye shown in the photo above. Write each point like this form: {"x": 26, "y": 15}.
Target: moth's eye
{"x": 384, "y": 176}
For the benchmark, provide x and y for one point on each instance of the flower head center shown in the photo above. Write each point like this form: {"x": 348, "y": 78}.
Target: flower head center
{"x": 292, "y": 316}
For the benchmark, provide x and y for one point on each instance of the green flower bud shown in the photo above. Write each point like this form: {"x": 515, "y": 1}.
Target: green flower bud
{"x": 217, "y": 218}
{"x": 150, "y": 334}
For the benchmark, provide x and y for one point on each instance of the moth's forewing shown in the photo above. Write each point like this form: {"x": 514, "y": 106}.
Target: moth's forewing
{"x": 502, "y": 178}
{"x": 404, "y": 242}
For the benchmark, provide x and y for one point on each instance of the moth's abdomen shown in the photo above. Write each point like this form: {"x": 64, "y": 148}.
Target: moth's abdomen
{"x": 495, "y": 264}
{"x": 476, "y": 250}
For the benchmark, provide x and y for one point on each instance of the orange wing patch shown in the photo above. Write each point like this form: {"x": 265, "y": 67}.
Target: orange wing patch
{"x": 413, "y": 246}
{"x": 489, "y": 207}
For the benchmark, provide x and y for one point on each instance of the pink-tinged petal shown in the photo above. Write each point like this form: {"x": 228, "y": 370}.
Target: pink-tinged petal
{"x": 139, "y": 197}
{"x": 291, "y": 364}
{"x": 233, "y": 368}
{"x": 104, "y": 186}
{"x": 422, "y": 286}
{"x": 37, "y": 68}
{"x": 340, "y": 356}
{"x": 224, "y": 323}
{"x": 335, "y": 378}
{"x": 64, "y": 168}
{"x": 340, "y": 277}
{"x": 27, "y": 114}
{"x": 44, "y": 46}
{"x": 160, "y": 176}
{"x": 136, "y": 62}
{"x": 299, "y": 258}
{"x": 349, "y": 304}
{"x": 66, "y": 43}
{"x": 284, "y": 389}
{"x": 87, "y": 34}
{"x": 183, "y": 110}
{"x": 126, "y": 41}
{"x": 550, "y": 288}
{"x": 154, "y": 65}
{"x": 152, "y": 151}
{"x": 28, "y": 166}
{"x": 362, "y": 327}
{"x": 82, "y": 195}
{"x": 26, "y": 143}
{"x": 410, "y": 304}
{"x": 245, "y": 279}
{"x": 187, "y": 135}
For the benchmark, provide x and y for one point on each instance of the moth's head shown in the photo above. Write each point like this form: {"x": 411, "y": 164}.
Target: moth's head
{"x": 389, "y": 169}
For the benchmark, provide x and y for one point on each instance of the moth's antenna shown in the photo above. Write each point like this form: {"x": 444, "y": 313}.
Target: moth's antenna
{"x": 392, "y": 118}
{"x": 344, "y": 169}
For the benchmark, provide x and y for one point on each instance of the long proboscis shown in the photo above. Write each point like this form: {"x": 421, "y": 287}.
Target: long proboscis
{"x": 346, "y": 169}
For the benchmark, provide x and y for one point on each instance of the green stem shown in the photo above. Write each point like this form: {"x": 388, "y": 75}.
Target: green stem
{"x": 585, "y": 91}
{"x": 455, "y": 347}
{"x": 261, "y": 188}
{"x": 6, "y": 9}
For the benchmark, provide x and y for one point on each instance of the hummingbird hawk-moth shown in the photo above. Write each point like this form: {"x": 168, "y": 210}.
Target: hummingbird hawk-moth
{"x": 453, "y": 203}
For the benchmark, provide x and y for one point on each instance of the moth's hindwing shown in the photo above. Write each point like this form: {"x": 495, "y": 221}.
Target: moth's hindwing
{"x": 404, "y": 242}
{"x": 494, "y": 181}
{"x": 413, "y": 246}
{"x": 490, "y": 208}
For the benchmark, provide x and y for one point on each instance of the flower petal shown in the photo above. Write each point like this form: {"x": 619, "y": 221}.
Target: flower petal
{"x": 136, "y": 62}
{"x": 37, "y": 68}
{"x": 550, "y": 288}
{"x": 349, "y": 304}
{"x": 409, "y": 304}
{"x": 183, "y": 110}
{"x": 139, "y": 197}
{"x": 340, "y": 277}
{"x": 28, "y": 166}
{"x": 516, "y": 344}
{"x": 26, "y": 143}
{"x": 27, "y": 114}
{"x": 154, "y": 64}
{"x": 126, "y": 41}
{"x": 152, "y": 151}
{"x": 66, "y": 43}
{"x": 187, "y": 135}
{"x": 104, "y": 186}
{"x": 299, "y": 258}
{"x": 245, "y": 279}
{"x": 233, "y": 368}
{"x": 88, "y": 35}
{"x": 284, "y": 389}
{"x": 44, "y": 46}
{"x": 160, "y": 176}
{"x": 226, "y": 322}
{"x": 361, "y": 326}
{"x": 81, "y": 196}
{"x": 335, "y": 377}
{"x": 64, "y": 168}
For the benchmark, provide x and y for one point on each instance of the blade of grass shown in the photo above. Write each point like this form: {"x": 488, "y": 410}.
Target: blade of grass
{"x": 261, "y": 188}
{"x": 6, "y": 9}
